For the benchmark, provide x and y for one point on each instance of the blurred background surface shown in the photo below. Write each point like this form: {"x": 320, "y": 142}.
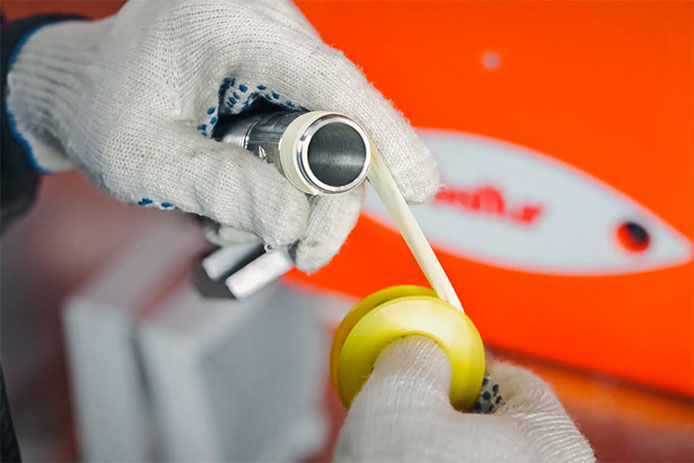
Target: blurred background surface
{"x": 605, "y": 87}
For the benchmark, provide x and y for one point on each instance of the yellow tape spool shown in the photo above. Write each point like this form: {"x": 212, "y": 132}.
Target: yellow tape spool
{"x": 393, "y": 313}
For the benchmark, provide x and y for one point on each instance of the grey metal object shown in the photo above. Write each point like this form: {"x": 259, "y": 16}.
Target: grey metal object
{"x": 331, "y": 151}
{"x": 259, "y": 133}
{"x": 240, "y": 271}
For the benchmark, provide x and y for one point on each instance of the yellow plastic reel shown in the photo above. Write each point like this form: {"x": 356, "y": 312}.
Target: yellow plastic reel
{"x": 393, "y": 313}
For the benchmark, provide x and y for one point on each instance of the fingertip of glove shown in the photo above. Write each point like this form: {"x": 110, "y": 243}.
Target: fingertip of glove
{"x": 420, "y": 182}
{"x": 284, "y": 223}
{"x": 314, "y": 252}
{"x": 306, "y": 261}
{"x": 331, "y": 221}
{"x": 410, "y": 161}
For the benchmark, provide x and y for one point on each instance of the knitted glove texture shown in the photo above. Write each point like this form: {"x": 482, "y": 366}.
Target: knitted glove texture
{"x": 132, "y": 100}
{"x": 403, "y": 414}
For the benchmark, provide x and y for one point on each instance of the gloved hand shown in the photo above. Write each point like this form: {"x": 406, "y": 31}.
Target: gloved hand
{"x": 131, "y": 100}
{"x": 403, "y": 414}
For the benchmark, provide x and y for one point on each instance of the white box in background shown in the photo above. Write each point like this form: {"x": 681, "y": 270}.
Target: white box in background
{"x": 161, "y": 373}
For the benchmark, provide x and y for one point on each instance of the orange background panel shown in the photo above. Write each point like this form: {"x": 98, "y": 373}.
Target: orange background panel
{"x": 604, "y": 86}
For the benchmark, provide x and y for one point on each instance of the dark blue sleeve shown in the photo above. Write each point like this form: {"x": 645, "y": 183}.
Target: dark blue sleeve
{"x": 18, "y": 184}
{"x": 19, "y": 181}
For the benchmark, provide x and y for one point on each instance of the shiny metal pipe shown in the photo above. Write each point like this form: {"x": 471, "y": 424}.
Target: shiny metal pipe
{"x": 318, "y": 152}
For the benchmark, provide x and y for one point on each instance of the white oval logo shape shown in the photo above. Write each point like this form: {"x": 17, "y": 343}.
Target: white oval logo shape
{"x": 512, "y": 207}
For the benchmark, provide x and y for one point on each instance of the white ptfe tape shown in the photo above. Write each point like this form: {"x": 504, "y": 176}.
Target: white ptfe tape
{"x": 400, "y": 212}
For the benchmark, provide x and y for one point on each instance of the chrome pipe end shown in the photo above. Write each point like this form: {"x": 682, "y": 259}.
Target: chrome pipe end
{"x": 333, "y": 154}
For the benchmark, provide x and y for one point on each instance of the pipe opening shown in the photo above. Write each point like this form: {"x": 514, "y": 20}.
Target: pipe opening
{"x": 337, "y": 154}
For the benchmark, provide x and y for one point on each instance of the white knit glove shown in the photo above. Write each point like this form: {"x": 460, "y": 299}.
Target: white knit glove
{"x": 403, "y": 414}
{"x": 131, "y": 100}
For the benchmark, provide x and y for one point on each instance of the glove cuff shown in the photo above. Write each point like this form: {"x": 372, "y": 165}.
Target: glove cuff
{"x": 47, "y": 73}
